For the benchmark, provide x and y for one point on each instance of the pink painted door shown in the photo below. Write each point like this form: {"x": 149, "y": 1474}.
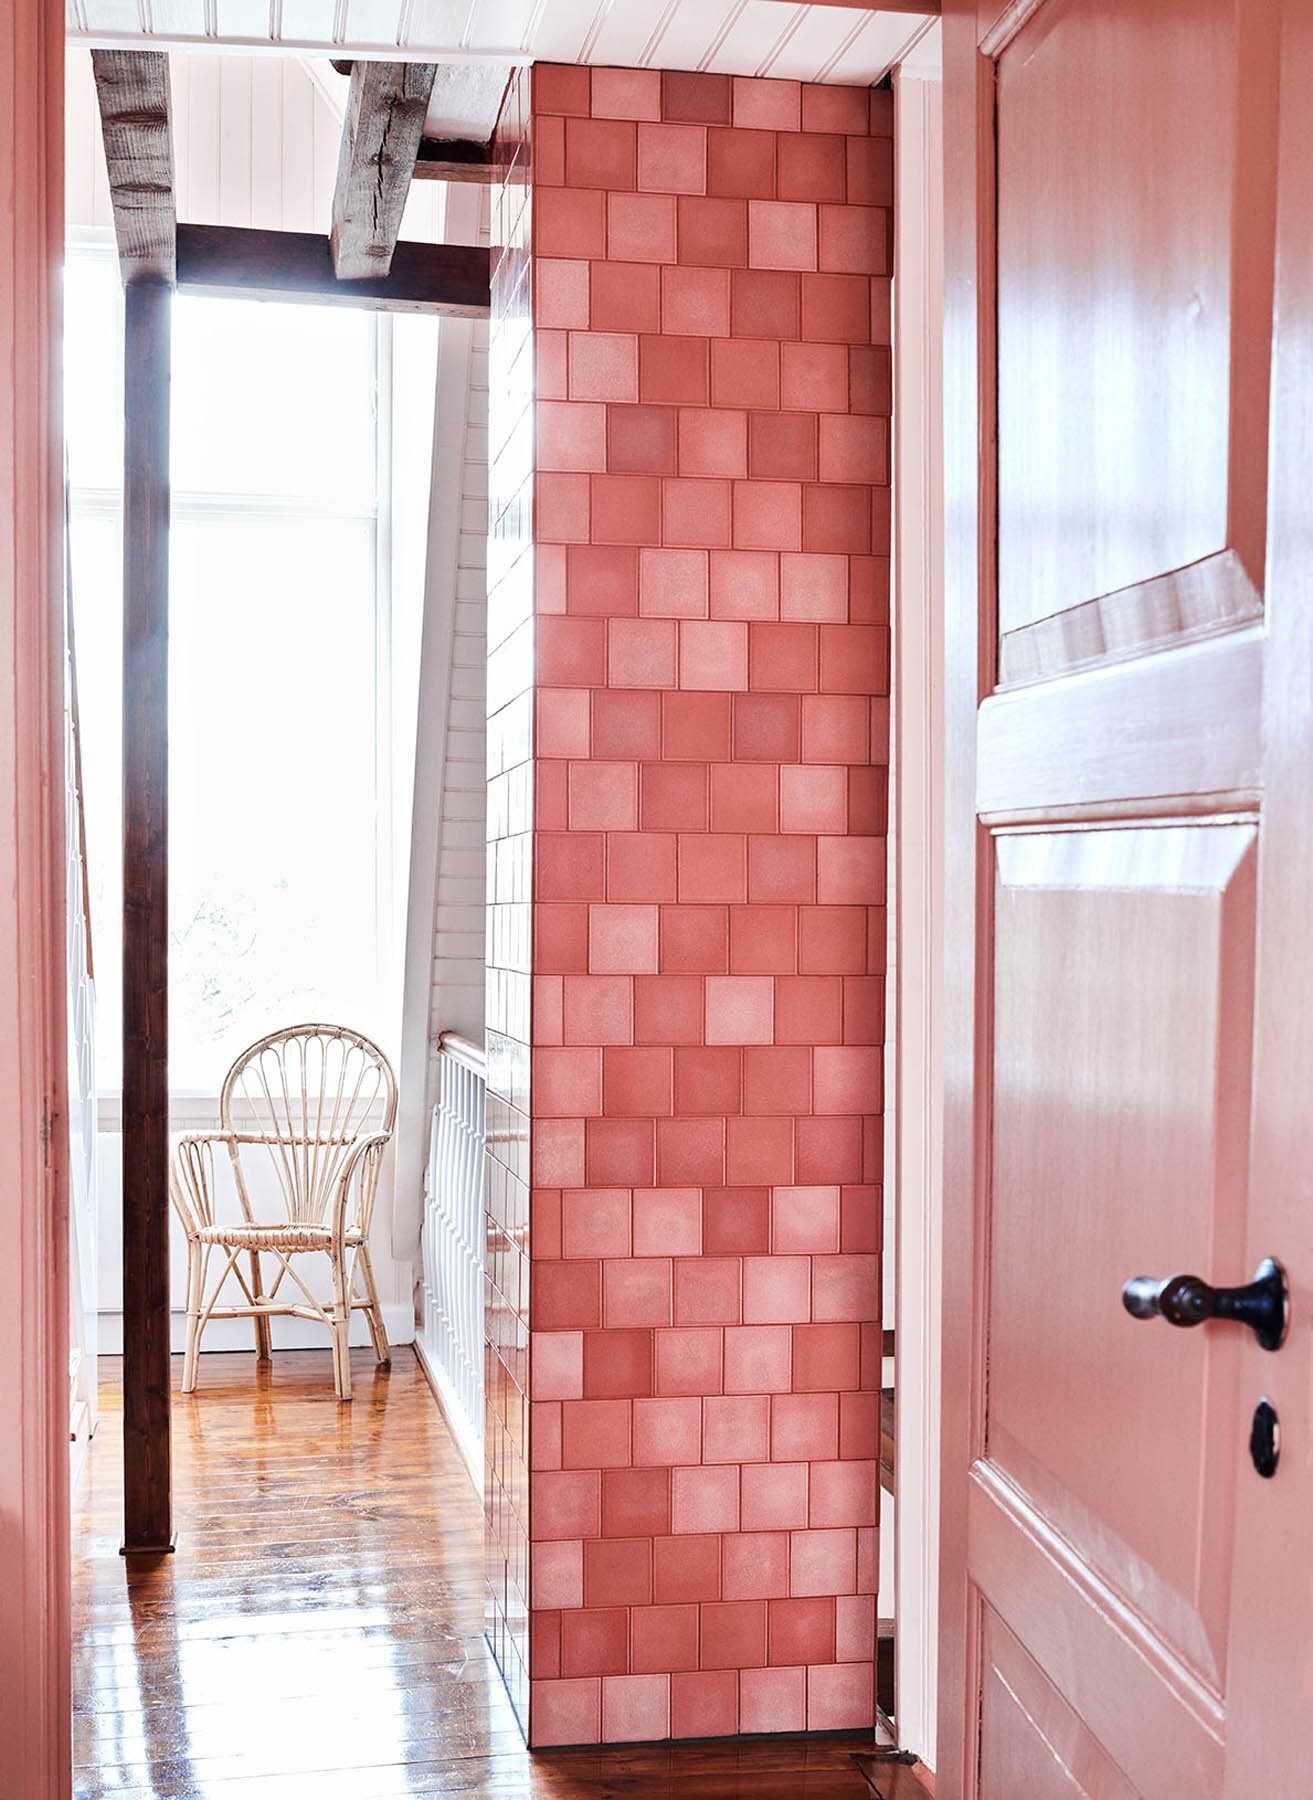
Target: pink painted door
{"x": 1130, "y": 1067}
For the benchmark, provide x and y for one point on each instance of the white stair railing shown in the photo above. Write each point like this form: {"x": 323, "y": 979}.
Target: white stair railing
{"x": 450, "y": 1331}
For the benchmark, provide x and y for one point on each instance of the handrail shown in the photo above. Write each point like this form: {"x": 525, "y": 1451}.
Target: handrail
{"x": 465, "y": 1051}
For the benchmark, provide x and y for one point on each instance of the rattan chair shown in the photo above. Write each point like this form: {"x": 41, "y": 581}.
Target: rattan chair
{"x": 319, "y": 1101}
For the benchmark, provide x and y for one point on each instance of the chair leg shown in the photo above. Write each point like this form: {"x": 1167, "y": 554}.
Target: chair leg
{"x": 341, "y": 1327}
{"x": 373, "y": 1311}
{"x": 263, "y": 1338}
{"x": 194, "y": 1284}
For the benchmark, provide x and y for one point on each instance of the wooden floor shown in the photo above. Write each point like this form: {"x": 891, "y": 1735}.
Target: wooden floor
{"x": 318, "y": 1633}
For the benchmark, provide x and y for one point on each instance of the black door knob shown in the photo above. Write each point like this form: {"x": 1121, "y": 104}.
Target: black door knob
{"x": 1263, "y": 1305}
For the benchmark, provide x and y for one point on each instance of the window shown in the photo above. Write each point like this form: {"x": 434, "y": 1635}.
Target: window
{"x": 281, "y": 778}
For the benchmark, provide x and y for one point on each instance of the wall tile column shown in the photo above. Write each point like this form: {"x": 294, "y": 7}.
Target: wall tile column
{"x": 710, "y": 332}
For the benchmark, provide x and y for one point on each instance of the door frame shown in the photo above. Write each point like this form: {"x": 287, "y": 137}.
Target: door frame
{"x": 969, "y": 601}
{"x": 35, "y": 1745}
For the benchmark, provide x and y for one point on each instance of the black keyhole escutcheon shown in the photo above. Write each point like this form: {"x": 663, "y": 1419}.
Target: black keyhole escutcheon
{"x": 1265, "y": 1439}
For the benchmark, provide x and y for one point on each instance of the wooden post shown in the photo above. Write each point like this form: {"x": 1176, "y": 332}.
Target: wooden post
{"x": 147, "y": 1475}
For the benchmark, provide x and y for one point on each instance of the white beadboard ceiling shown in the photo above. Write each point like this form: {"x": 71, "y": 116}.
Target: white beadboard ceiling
{"x": 734, "y": 37}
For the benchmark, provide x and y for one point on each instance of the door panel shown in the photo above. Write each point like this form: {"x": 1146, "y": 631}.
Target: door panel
{"x": 1122, "y": 1022}
{"x": 1110, "y": 205}
{"x": 1133, "y": 320}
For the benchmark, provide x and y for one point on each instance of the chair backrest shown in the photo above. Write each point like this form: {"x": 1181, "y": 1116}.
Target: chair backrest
{"x": 308, "y": 1094}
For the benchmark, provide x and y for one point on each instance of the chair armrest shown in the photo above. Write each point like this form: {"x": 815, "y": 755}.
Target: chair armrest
{"x": 360, "y": 1171}
{"x": 191, "y": 1178}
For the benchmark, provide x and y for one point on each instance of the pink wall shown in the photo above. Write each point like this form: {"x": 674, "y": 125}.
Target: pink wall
{"x": 711, "y": 530}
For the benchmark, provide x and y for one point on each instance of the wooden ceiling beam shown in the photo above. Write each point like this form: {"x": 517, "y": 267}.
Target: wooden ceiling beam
{"x": 381, "y": 132}
{"x": 238, "y": 263}
{"x": 132, "y": 87}
{"x": 454, "y": 159}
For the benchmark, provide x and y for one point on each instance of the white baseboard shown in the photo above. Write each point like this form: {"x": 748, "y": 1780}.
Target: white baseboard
{"x": 288, "y": 1334}
{"x": 466, "y": 1439}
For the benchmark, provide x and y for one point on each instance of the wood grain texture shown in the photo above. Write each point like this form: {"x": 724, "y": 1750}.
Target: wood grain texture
{"x": 298, "y": 265}
{"x": 381, "y": 130}
{"x": 454, "y": 159}
{"x": 147, "y": 1517}
{"x": 321, "y": 1627}
{"x": 133, "y": 89}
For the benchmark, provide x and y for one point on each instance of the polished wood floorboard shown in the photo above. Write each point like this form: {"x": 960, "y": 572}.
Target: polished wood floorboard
{"x": 318, "y": 1632}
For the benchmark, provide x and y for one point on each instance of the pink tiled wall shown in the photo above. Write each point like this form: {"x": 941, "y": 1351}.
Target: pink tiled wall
{"x": 710, "y": 332}
{"x": 509, "y": 891}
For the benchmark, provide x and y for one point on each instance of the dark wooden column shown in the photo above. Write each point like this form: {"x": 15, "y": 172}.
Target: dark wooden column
{"x": 147, "y": 1474}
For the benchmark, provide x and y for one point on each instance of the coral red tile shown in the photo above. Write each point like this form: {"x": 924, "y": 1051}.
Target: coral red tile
{"x": 804, "y": 1428}
{"x": 636, "y": 1292}
{"x": 595, "y": 1222}
{"x": 843, "y": 1493}
{"x": 708, "y": 1082}
{"x": 667, "y": 1222}
{"x": 745, "y": 372}
{"x": 773, "y": 1700}
{"x": 802, "y": 1631}
{"x": 566, "y": 1296}
{"x": 777, "y": 1080}
{"x": 559, "y": 88}
{"x": 595, "y": 1641}
{"x": 712, "y": 867}
{"x": 603, "y": 795}
{"x": 623, "y": 726}
{"x": 704, "y": 1705}
{"x": 744, "y": 797}
{"x": 813, "y": 797}
{"x": 782, "y": 234}
{"x": 768, "y": 515}
{"x": 600, "y": 153}
{"x": 850, "y": 870}
{"x": 834, "y": 108}
{"x": 664, "y": 1639}
{"x": 841, "y": 1697}
{"x": 854, "y": 238}
{"x": 713, "y": 442}
{"x": 603, "y": 365}
{"x": 705, "y": 1499}
{"x": 571, "y": 864}
{"x": 782, "y": 447}
{"x": 739, "y": 1009}
{"x": 557, "y": 1373}
{"x": 736, "y": 1222}
{"x": 636, "y": 1083}
{"x": 674, "y": 796}
{"x": 625, "y": 297}
{"x": 640, "y": 866}
{"x": 829, "y": 1149}
{"x": 805, "y": 1219}
{"x": 853, "y": 448}
{"x": 808, "y": 1009}
{"x": 757, "y": 1359}
{"x": 557, "y": 1574}
{"x": 782, "y": 868}
{"x": 776, "y": 1290}
{"x": 626, "y": 509}
{"x": 695, "y": 512}
{"x": 686, "y": 1568}
{"x": 618, "y": 1572}
{"x": 672, "y": 159}
{"x": 741, "y": 163}
{"x": 814, "y": 376}
{"x": 673, "y": 583}
{"x": 569, "y": 223}
{"x": 597, "y": 1009}
{"x": 707, "y": 1291}
{"x": 755, "y": 1566}
{"x": 567, "y": 1504}
{"x": 835, "y": 728}
{"x": 767, "y": 728}
{"x": 622, "y": 940}
{"x": 837, "y": 519}
{"x": 595, "y": 1434}
{"x": 635, "y": 1503}
{"x": 773, "y": 1496}
{"x": 561, "y": 293}
{"x": 745, "y": 584}
{"x": 667, "y": 1431}
{"x": 703, "y": 99}
{"x": 688, "y": 1362}
{"x": 635, "y": 1708}
{"x": 713, "y": 654}
{"x": 642, "y": 653}
{"x": 854, "y": 1628}
{"x": 640, "y": 440}
{"x": 695, "y": 302}
{"x": 668, "y": 1009}
{"x": 765, "y": 303}
{"x": 620, "y": 1152}
{"x": 673, "y": 370}
{"x": 690, "y": 1152}
{"x": 759, "y": 1150}
{"x": 694, "y": 940}
{"x": 735, "y": 1428}
{"x": 734, "y": 1634}
{"x": 626, "y": 94}
{"x": 601, "y": 580}
{"x": 813, "y": 166}
{"x": 783, "y": 658}
{"x": 836, "y": 308}
{"x": 859, "y": 1426}
{"x": 772, "y": 104}
{"x": 641, "y": 227}
{"x": 566, "y": 1712}
{"x": 695, "y": 727}
{"x": 561, "y": 507}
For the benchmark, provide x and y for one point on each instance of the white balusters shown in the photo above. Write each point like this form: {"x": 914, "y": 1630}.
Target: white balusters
{"x": 450, "y": 1336}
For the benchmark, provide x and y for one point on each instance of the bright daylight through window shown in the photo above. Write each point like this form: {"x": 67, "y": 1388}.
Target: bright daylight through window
{"x": 282, "y": 782}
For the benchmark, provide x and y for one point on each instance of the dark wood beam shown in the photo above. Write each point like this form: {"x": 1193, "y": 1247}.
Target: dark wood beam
{"x": 454, "y": 159}
{"x": 133, "y": 89}
{"x": 381, "y": 130}
{"x": 147, "y": 1451}
{"x": 296, "y": 265}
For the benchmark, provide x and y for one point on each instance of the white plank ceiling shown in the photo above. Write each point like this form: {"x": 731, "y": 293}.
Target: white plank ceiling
{"x": 737, "y": 37}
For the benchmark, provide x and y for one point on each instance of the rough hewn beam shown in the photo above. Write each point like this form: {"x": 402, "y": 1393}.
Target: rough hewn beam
{"x": 147, "y": 1495}
{"x": 133, "y": 89}
{"x": 454, "y": 159}
{"x": 380, "y": 137}
{"x": 296, "y": 265}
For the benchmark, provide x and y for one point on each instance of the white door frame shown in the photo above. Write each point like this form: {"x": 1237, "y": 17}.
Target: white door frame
{"x": 35, "y": 1747}
{"x": 918, "y": 765}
